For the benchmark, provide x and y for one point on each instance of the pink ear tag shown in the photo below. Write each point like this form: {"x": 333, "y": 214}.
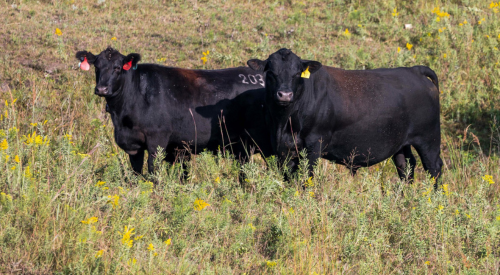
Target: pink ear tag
{"x": 127, "y": 65}
{"x": 85, "y": 65}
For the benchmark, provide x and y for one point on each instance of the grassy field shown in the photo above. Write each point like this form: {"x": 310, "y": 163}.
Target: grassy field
{"x": 69, "y": 202}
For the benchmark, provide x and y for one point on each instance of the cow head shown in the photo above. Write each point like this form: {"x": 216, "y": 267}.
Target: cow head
{"x": 110, "y": 68}
{"x": 285, "y": 75}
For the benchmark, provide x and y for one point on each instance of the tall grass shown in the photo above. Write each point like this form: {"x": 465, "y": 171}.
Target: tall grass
{"x": 70, "y": 203}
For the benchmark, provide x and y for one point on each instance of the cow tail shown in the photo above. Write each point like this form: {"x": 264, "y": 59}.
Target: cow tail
{"x": 426, "y": 71}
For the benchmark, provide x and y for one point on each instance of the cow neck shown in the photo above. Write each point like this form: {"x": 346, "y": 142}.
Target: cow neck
{"x": 295, "y": 110}
{"x": 125, "y": 95}
{"x": 300, "y": 110}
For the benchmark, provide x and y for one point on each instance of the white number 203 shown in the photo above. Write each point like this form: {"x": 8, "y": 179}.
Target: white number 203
{"x": 254, "y": 79}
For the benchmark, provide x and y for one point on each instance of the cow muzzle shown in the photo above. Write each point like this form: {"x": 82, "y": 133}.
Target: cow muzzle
{"x": 284, "y": 96}
{"x": 100, "y": 90}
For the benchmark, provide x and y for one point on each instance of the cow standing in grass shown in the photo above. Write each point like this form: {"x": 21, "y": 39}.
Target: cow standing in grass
{"x": 155, "y": 106}
{"x": 355, "y": 118}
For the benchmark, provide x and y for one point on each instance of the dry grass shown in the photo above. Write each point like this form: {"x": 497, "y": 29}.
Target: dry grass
{"x": 367, "y": 224}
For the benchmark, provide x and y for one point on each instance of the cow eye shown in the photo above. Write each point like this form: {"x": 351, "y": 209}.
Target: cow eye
{"x": 298, "y": 74}
{"x": 117, "y": 68}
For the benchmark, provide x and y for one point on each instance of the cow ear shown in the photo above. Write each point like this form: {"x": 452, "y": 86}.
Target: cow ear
{"x": 257, "y": 65}
{"x": 130, "y": 61}
{"x": 313, "y": 65}
{"x": 85, "y": 58}
{"x": 81, "y": 55}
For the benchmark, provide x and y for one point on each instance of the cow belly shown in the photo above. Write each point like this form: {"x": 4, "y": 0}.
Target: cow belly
{"x": 364, "y": 147}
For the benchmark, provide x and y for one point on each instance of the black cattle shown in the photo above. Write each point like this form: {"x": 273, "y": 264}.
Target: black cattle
{"x": 355, "y": 118}
{"x": 155, "y": 106}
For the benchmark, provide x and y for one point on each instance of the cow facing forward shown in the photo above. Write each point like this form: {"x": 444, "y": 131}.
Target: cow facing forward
{"x": 355, "y": 118}
{"x": 155, "y": 106}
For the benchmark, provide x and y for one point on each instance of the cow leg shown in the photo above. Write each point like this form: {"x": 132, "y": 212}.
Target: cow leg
{"x": 137, "y": 161}
{"x": 429, "y": 155}
{"x": 353, "y": 170}
{"x": 153, "y": 149}
{"x": 401, "y": 159}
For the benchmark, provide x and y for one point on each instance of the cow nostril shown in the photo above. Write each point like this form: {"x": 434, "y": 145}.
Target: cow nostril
{"x": 102, "y": 89}
{"x": 284, "y": 96}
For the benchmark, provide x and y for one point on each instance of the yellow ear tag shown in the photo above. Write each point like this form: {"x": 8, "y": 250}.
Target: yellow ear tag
{"x": 306, "y": 73}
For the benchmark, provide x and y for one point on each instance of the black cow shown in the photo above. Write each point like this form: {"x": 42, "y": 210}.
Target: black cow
{"x": 155, "y": 106}
{"x": 355, "y": 118}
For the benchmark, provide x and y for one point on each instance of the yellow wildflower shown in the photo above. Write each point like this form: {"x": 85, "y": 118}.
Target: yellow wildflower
{"x": 114, "y": 200}
{"x": 200, "y": 205}
{"x": 4, "y": 198}
{"x": 468, "y": 216}
{"x": 217, "y": 180}
{"x": 205, "y": 57}
{"x": 399, "y": 49}
{"x": 113, "y": 38}
{"x": 152, "y": 249}
{"x": 4, "y": 145}
{"x": 444, "y": 55}
{"x": 126, "y": 235}
{"x": 33, "y": 124}
{"x": 94, "y": 229}
{"x": 427, "y": 263}
{"x": 409, "y": 46}
{"x": 309, "y": 182}
{"x": 16, "y": 159}
{"x": 311, "y": 194}
{"x": 395, "y": 12}
{"x": 488, "y": 179}
{"x": 100, "y": 183}
{"x": 90, "y": 220}
{"x": 27, "y": 172}
{"x": 99, "y": 253}
{"x": 347, "y": 33}
{"x": 296, "y": 193}
{"x": 36, "y": 139}
{"x": 168, "y": 242}
{"x": 7, "y": 158}
{"x": 132, "y": 261}
{"x": 271, "y": 264}
{"x": 440, "y": 207}
{"x": 58, "y": 32}
{"x": 138, "y": 237}
{"x": 251, "y": 226}
{"x": 291, "y": 210}
{"x": 446, "y": 190}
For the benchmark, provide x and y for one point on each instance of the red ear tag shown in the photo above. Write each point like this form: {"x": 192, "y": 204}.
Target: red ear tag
{"x": 127, "y": 65}
{"x": 85, "y": 65}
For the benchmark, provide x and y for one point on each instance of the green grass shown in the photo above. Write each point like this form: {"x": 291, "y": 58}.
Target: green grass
{"x": 370, "y": 223}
